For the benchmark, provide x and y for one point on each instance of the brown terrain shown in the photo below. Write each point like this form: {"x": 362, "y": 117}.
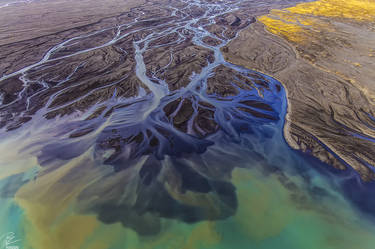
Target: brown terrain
{"x": 73, "y": 78}
{"x": 60, "y": 59}
{"x": 323, "y": 53}
{"x": 37, "y": 18}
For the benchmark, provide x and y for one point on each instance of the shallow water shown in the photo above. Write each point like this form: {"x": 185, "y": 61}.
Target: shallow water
{"x": 239, "y": 187}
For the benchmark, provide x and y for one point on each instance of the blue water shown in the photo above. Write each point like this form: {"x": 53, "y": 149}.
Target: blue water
{"x": 147, "y": 173}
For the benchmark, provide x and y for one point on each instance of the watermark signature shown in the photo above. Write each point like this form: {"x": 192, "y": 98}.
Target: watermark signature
{"x": 9, "y": 241}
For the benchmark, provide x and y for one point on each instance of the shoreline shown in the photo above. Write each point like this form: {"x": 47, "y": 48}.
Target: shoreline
{"x": 317, "y": 110}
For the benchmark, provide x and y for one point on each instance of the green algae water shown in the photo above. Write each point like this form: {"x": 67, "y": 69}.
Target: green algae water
{"x": 134, "y": 178}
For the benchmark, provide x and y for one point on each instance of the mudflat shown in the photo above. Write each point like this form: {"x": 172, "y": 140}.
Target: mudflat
{"x": 324, "y": 54}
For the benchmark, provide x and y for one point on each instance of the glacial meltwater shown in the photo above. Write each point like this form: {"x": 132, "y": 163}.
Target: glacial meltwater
{"x": 132, "y": 178}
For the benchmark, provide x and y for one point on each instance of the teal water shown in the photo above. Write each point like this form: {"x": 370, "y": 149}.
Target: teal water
{"x": 136, "y": 180}
{"x": 260, "y": 194}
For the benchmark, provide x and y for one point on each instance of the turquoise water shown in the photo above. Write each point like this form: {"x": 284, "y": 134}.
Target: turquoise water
{"x": 261, "y": 194}
{"x": 132, "y": 178}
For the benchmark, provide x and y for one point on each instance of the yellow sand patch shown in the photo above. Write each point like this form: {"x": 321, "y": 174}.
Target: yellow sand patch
{"x": 360, "y": 10}
{"x": 295, "y": 23}
{"x": 290, "y": 31}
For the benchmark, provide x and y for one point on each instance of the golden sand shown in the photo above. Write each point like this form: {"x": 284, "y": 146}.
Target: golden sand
{"x": 295, "y": 23}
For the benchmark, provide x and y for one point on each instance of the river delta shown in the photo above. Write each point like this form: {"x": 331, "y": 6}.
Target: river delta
{"x": 149, "y": 129}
